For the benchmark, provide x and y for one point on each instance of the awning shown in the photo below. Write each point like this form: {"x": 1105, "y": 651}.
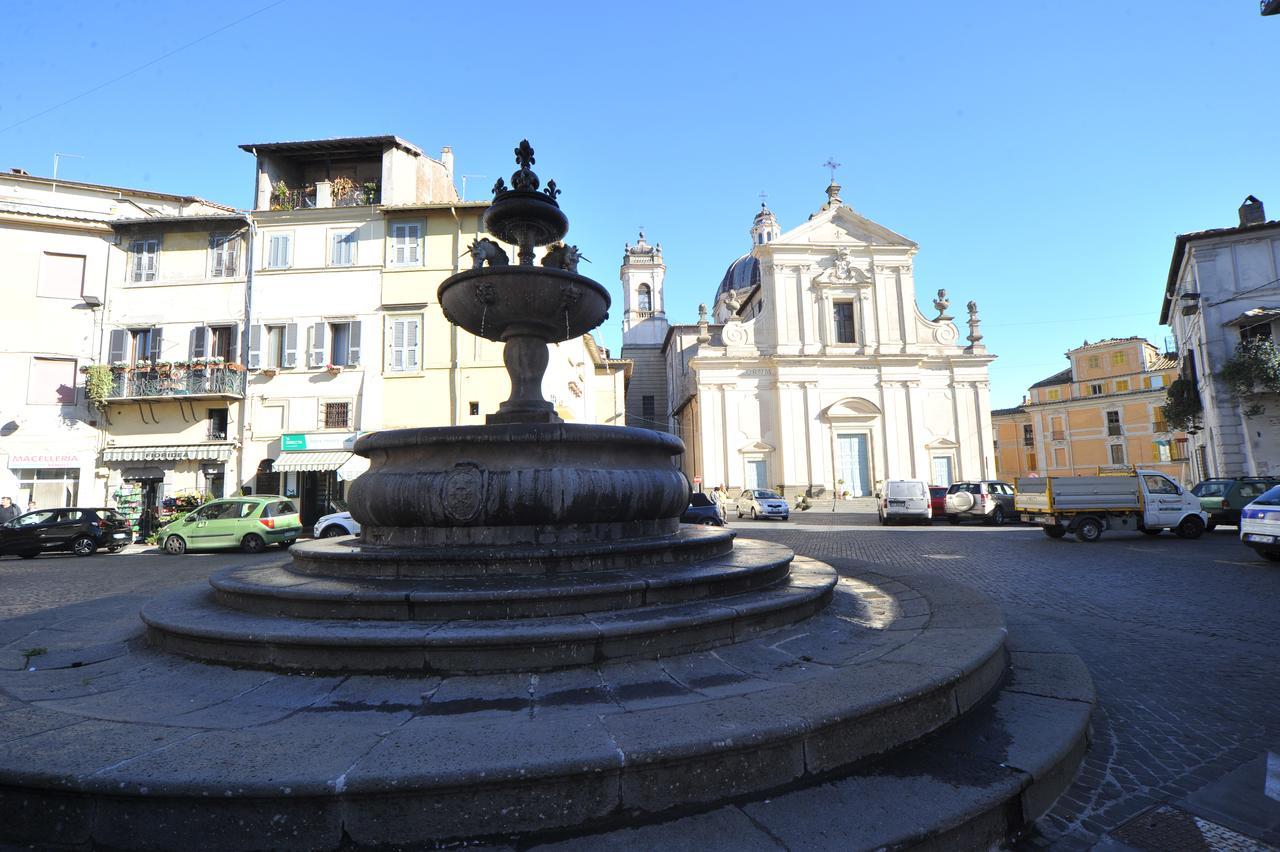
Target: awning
{"x": 179, "y": 452}
{"x": 353, "y": 467}
{"x": 315, "y": 460}
{"x": 1255, "y": 316}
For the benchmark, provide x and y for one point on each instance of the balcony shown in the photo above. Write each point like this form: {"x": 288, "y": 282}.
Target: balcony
{"x": 209, "y": 381}
{"x": 1059, "y": 435}
{"x": 341, "y": 192}
{"x": 1114, "y": 429}
{"x": 284, "y": 198}
{"x": 1159, "y": 426}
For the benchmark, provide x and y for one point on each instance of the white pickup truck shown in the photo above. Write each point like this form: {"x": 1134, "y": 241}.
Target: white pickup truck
{"x": 1144, "y": 501}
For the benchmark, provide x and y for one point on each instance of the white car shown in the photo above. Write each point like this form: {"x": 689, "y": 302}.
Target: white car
{"x": 338, "y": 523}
{"x": 762, "y": 504}
{"x": 1260, "y": 524}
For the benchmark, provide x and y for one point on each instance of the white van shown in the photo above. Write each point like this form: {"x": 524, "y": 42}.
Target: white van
{"x": 905, "y": 500}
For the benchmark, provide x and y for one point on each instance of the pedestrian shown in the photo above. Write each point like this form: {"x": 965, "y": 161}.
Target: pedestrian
{"x": 721, "y": 499}
{"x": 8, "y": 511}
{"x": 31, "y": 505}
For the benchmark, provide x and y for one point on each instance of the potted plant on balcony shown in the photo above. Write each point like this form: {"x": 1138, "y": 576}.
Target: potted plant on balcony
{"x": 281, "y": 196}
{"x": 333, "y": 369}
{"x": 98, "y": 382}
{"x": 270, "y": 371}
{"x": 1254, "y": 370}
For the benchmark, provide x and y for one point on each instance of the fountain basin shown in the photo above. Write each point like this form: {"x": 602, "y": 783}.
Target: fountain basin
{"x": 537, "y": 484}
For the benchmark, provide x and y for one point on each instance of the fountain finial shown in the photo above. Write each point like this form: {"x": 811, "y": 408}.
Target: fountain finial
{"x": 524, "y": 178}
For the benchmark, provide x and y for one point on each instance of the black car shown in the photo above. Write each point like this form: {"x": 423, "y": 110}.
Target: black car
{"x": 81, "y": 531}
{"x": 702, "y": 511}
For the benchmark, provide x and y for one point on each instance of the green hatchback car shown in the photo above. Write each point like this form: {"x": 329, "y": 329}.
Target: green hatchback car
{"x": 1222, "y": 499}
{"x": 249, "y": 523}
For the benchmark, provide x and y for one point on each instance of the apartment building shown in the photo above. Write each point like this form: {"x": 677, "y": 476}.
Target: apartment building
{"x": 1103, "y": 412}
{"x": 63, "y": 248}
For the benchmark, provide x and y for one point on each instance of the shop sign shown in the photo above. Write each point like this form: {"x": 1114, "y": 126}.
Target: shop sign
{"x": 292, "y": 442}
{"x": 30, "y": 460}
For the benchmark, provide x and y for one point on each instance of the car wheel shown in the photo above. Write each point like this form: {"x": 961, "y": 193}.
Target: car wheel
{"x": 252, "y": 543}
{"x": 954, "y": 520}
{"x": 753, "y": 513}
{"x": 997, "y": 517}
{"x": 1211, "y": 525}
{"x": 1191, "y": 527}
{"x": 175, "y": 545}
{"x": 1155, "y": 531}
{"x": 1055, "y": 532}
{"x": 115, "y": 548}
{"x": 83, "y": 546}
{"x": 739, "y": 514}
{"x": 709, "y": 522}
{"x": 285, "y": 545}
{"x": 1089, "y": 530}
{"x": 333, "y": 531}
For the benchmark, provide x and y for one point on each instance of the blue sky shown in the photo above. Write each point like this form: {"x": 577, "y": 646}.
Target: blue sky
{"x": 1044, "y": 155}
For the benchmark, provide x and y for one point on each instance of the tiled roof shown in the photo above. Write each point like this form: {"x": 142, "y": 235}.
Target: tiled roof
{"x": 1060, "y": 378}
{"x": 1166, "y": 361}
{"x": 1108, "y": 342}
{"x": 1005, "y": 412}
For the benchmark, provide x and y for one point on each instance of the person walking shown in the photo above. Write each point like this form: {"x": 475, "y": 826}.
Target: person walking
{"x": 31, "y": 505}
{"x": 8, "y": 511}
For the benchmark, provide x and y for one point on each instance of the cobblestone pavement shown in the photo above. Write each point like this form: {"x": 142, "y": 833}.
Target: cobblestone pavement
{"x": 1180, "y": 636}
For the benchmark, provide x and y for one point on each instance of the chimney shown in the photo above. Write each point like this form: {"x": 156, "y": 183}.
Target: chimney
{"x": 446, "y": 157}
{"x": 1251, "y": 212}
{"x": 18, "y": 171}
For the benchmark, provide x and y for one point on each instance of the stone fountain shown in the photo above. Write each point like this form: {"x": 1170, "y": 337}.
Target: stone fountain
{"x": 523, "y": 641}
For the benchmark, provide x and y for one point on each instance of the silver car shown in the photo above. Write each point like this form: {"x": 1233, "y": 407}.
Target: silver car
{"x": 336, "y": 524}
{"x": 762, "y": 504}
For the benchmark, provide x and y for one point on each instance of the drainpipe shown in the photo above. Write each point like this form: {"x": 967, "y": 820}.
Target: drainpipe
{"x": 454, "y": 369}
{"x": 244, "y": 350}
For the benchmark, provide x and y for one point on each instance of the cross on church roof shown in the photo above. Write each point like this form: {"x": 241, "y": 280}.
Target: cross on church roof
{"x": 764, "y": 196}
{"x": 833, "y": 165}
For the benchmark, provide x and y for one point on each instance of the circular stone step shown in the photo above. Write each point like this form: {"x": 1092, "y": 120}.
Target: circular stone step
{"x": 353, "y": 558}
{"x": 188, "y": 755}
{"x": 189, "y": 621}
{"x": 277, "y": 590}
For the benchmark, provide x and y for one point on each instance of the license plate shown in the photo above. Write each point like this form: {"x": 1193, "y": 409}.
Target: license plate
{"x": 1263, "y": 539}
{"x": 897, "y": 502}
{"x": 1044, "y": 519}
{"x": 117, "y": 535}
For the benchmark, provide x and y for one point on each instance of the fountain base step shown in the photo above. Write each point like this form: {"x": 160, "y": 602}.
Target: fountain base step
{"x": 191, "y": 622}
{"x": 278, "y": 590}
{"x": 122, "y": 747}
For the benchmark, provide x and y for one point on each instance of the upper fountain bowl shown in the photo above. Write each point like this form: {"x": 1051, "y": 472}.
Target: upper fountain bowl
{"x": 499, "y": 302}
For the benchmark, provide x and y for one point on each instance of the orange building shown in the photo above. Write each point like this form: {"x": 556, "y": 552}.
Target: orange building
{"x": 1101, "y": 413}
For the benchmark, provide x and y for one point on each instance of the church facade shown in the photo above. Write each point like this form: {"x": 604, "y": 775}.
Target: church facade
{"x": 816, "y": 371}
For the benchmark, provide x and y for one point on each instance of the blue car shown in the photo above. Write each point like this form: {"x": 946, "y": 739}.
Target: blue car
{"x": 701, "y": 511}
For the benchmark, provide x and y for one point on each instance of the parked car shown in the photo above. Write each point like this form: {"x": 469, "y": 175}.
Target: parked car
{"x": 79, "y": 530}
{"x": 1222, "y": 499}
{"x": 1260, "y": 524}
{"x": 336, "y": 524}
{"x": 249, "y": 523}
{"x": 701, "y": 511}
{"x": 904, "y": 500}
{"x": 938, "y": 500}
{"x": 986, "y": 500}
{"x": 762, "y": 504}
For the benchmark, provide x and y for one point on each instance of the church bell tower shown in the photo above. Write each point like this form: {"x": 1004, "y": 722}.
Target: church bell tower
{"x": 644, "y": 318}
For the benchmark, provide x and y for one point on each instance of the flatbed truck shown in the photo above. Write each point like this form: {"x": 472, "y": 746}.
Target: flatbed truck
{"x": 1144, "y": 501}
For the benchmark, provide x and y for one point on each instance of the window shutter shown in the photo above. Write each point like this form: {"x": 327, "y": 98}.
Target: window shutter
{"x": 411, "y": 345}
{"x": 154, "y": 355}
{"x": 317, "y": 345}
{"x": 353, "y": 348}
{"x": 234, "y": 349}
{"x": 135, "y": 248}
{"x": 396, "y": 362}
{"x": 215, "y": 257}
{"x": 290, "y": 345}
{"x": 414, "y": 235}
{"x": 255, "y": 347}
{"x": 119, "y": 340}
{"x": 232, "y": 248}
{"x": 199, "y": 342}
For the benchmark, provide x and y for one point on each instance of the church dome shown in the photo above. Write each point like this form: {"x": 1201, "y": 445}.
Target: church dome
{"x": 743, "y": 272}
{"x": 765, "y": 213}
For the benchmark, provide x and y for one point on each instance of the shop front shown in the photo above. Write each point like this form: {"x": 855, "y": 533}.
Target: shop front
{"x": 144, "y": 482}
{"x": 52, "y": 480}
{"x": 314, "y": 469}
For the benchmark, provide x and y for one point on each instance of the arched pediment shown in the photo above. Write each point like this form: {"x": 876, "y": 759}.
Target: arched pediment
{"x": 853, "y": 407}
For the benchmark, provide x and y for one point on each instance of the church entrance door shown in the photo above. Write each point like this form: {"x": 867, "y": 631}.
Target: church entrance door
{"x": 756, "y": 476}
{"x": 942, "y": 470}
{"x": 852, "y": 464}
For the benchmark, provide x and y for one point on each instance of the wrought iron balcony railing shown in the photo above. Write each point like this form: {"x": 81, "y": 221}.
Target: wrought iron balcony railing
{"x": 225, "y": 380}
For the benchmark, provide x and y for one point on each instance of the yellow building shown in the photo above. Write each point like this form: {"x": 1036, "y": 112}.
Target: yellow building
{"x": 1103, "y": 412}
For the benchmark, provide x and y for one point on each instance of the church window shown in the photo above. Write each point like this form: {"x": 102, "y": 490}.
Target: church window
{"x": 646, "y": 408}
{"x": 844, "y": 322}
{"x": 644, "y": 298}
